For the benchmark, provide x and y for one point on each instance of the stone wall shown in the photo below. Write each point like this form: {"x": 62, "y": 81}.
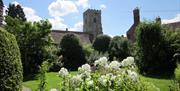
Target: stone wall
{"x": 57, "y": 35}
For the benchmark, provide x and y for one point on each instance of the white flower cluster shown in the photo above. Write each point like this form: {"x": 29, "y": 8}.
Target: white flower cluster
{"x": 106, "y": 79}
{"x": 63, "y": 72}
{"x": 133, "y": 75}
{"x": 114, "y": 65}
{"x": 101, "y": 62}
{"x": 85, "y": 70}
{"x": 128, "y": 61}
{"x": 75, "y": 81}
{"x": 106, "y": 75}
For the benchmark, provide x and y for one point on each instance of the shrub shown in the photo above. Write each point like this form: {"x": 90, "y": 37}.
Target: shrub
{"x": 108, "y": 76}
{"x": 72, "y": 52}
{"x": 152, "y": 50}
{"x": 119, "y": 48}
{"x": 10, "y": 63}
{"x": 101, "y": 43}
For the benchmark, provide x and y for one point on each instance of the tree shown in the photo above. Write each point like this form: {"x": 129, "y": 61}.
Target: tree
{"x": 152, "y": 50}
{"x": 101, "y": 43}
{"x": 72, "y": 52}
{"x": 35, "y": 42}
{"x": 10, "y": 63}
{"x": 119, "y": 48}
{"x": 16, "y": 11}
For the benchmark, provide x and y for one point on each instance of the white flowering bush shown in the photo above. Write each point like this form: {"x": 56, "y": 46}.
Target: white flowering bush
{"x": 107, "y": 76}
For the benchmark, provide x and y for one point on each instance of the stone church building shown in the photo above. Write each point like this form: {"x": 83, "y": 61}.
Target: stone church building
{"x": 131, "y": 35}
{"x": 91, "y": 28}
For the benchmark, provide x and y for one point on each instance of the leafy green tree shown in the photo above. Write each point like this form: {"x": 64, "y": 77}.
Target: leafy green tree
{"x": 34, "y": 41}
{"x": 10, "y": 62}
{"x": 152, "y": 48}
{"x": 72, "y": 52}
{"x": 101, "y": 43}
{"x": 172, "y": 42}
{"x": 119, "y": 48}
{"x": 16, "y": 11}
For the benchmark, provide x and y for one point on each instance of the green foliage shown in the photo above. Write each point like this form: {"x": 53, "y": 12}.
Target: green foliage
{"x": 42, "y": 76}
{"x": 172, "y": 42}
{"x": 72, "y": 52}
{"x": 10, "y": 63}
{"x": 35, "y": 43}
{"x": 153, "y": 56}
{"x": 56, "y": 65}
{"x": 95, "y": 55}
{"x": 101, "y": 43}
{"x": 119, "y": 48}
{"x": 176, "y": 84}
{"x": 177, "y": 73}
{"x": 16, "y": 11}
{"x": 88, "y": 49}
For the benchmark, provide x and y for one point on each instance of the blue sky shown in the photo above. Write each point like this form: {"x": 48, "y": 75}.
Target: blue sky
{"x": 117, "y": 15}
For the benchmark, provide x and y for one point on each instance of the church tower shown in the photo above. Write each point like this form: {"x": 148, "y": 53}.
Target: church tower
{"x": 92, "y": 22}
{"x": 1, "y": 12}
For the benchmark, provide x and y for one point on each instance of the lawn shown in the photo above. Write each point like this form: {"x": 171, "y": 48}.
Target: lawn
{"x": 162, "y": 84}
{"x": 53, "y": 82}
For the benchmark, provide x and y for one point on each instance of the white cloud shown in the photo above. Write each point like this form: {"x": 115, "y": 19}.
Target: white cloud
{"x": 102, "y": 6}
{"x": 77, "y": 27}
{"x": 62, "y": 8}
{"x": 15, "y": 3}
{"x": 84, "y": 3}
{"x": 57, "y": 23}
{"x": 175, "y": 19}
{"x": 31, "y": 14}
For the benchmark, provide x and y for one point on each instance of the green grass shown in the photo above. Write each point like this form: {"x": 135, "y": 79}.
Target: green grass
{"x": 162, "y": 84}
{"x": 53, "y": 81}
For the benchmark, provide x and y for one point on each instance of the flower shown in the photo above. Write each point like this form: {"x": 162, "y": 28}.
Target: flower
{"x": 101, "y": 61}
{"x": 114, "y": 65}
{"x": 102, "y": 80}
{"x": 76, "y": 80}
{"x": 63, "y": 72}
{"x": 90, "y": 82}
{"x": 53, "y": 89}
{"x": 128, "y": 61}
{"x": 85, "y": 68}
{"x": 133, "y": 75}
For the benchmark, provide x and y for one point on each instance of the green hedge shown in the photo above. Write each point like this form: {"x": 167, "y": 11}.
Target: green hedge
{"x": 10, "y": 63}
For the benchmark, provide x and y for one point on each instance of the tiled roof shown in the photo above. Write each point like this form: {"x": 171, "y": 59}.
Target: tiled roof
{"x": 58, "y": 34}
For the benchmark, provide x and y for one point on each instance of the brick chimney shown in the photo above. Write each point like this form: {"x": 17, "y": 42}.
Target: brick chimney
{"x": 136, "y": 16}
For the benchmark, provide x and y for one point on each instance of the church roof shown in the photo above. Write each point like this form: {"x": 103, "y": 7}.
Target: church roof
{"x": 57, "y": 35}
{"x": 174, "y": 25}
